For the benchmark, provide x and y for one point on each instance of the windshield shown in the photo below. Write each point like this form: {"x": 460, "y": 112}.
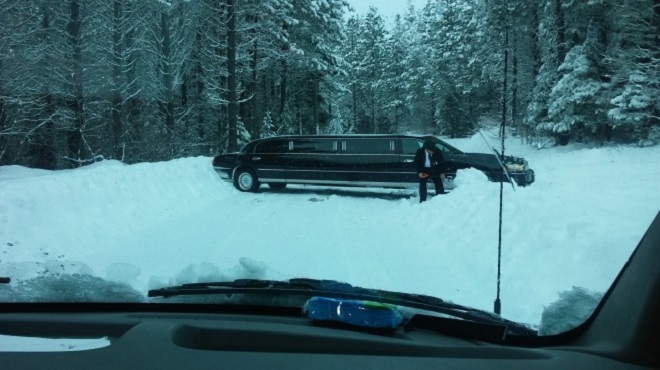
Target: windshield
{"x": 117, "y": 117}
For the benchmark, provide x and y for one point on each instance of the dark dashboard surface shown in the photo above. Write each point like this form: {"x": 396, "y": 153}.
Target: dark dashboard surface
{"x": 234, "y": 341}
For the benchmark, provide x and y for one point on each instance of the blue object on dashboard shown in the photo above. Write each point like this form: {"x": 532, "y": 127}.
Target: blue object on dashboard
{"x": 353, "y": 312}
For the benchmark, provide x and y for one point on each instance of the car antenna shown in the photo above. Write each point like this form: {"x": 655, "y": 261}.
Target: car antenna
{"x": 498, "y": 302}
{"x": 500, "y": 159}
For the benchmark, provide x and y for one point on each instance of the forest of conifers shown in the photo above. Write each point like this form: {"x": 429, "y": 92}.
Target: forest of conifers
{"x": 149, "y": 80}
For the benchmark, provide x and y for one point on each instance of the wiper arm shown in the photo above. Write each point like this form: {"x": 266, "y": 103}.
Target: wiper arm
{"x": 301, "y": 286}
{"x": 339, "y": 290}
{"x": 242, "y": 286}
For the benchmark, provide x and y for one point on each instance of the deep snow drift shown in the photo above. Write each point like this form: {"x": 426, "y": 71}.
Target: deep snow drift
{"x": 150, "y": 225}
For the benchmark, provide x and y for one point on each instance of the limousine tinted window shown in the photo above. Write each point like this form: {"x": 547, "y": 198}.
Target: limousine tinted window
{"x": 369, "y": 146}
{"x": 314, "y": 146}
{"x": 410, "y": 146}
{"x": 272, "y": 146}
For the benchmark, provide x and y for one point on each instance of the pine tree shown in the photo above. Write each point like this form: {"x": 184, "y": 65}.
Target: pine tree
{"x": 287, "y": 126}
{"x": 336, "y": 126}
{"x": 267, "y": 127}
{"x": 635, "y": 60}
{"x": 242, "y": 134}
{"x": 576, "y": 101}
{"x": 536, "y": 115}
{"x": 394, "y": 83}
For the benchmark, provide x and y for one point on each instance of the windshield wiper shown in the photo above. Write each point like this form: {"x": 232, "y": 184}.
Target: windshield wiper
{"x": 339, "y": 290}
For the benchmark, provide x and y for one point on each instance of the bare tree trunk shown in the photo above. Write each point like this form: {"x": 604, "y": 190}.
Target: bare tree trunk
{"x": 199, "y": 72}
{"x": 167, "y": 106}
{"x": 133, "y": 105}
{"x": 397, "y": 97}
{"x": 74, "y": 136}
{"x": 283, "y": 76}
{"x": 535, "y": 50}
{"x": 232, "y": 106}
{"x": 117, "y": 64}
{"x": 355, "y": 116}
{"x": 374, "y": 123}
{"x": 432, "y": 112}
{"x": 514, "y": 81}
{"x": 252, "y": 88}
{"x": 315, "y": 103}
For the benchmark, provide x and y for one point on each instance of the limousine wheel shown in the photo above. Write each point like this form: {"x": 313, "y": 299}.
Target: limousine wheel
{"x": 246, "y": 180}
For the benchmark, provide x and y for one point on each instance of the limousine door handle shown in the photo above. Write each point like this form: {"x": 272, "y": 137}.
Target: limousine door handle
{"x": 408, "y": 160}
{"x": 256, "y": 158}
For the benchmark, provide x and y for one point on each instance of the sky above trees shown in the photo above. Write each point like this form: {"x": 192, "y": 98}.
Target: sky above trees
{"x": 388, "y": 9}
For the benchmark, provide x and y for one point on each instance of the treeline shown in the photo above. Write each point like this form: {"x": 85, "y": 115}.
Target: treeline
{"x": 146, "y": 80}
{"x": 149, "y": 80}
{"x": 578, "y": 70}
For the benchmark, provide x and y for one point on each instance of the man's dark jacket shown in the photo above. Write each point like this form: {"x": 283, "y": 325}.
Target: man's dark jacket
{"x": 437, "y": 162}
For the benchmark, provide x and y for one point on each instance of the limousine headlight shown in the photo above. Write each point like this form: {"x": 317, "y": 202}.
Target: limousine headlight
{"x": 516, "y": 164}
{"x": 515, "y": 167}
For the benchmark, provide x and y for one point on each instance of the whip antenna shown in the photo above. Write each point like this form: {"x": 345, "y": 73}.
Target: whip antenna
{"x": 498, "y": 303}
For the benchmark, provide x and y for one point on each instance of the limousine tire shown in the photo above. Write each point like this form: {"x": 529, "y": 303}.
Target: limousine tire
{"x": 277, "y": 185}
{"x": 246, "y": 180}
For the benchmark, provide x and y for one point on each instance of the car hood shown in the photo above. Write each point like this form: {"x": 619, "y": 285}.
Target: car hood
{"x": 475, "y": 160}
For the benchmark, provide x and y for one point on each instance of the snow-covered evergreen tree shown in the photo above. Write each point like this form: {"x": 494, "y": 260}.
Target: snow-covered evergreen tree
{"x": 337, "y": 125}
{"x": 547, "y": 75}
{"x": 394, "y": 83}
{"x": 368, "y": 69}
{"x": 287, "y": 126}
{"x": 635, "y": 59}
{"x": 242, "y": 134}
{"x": 634, "y": 105}
{"x": 576, "y": 101}
{"x": 267, "y": 127}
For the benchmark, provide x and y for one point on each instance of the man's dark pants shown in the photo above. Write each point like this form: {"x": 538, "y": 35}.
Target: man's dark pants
{"x": 437, "y": 181}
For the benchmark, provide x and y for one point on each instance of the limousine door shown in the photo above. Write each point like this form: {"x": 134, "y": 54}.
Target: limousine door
{"x": 408, "y": 149}
{"x": 269, "y": 159}
{"x": 365, "y": 162}
{"x": 309, "y": 159}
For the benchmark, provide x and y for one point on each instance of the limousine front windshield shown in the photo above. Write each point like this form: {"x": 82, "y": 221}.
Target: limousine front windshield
{"x": 410, "y": 146}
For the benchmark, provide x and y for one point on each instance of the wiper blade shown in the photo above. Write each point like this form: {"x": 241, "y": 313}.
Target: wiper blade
{"x": 339, "y": 290}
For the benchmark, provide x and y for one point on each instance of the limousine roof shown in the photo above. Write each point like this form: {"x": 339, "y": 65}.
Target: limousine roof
{"x": 347, "y": 136}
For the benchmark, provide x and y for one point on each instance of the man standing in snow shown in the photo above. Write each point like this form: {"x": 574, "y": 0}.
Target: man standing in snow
{"x": 429, "y": 163}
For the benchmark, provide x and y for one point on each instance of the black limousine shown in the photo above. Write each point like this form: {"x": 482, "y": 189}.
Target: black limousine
{"x": 352, "y": 160}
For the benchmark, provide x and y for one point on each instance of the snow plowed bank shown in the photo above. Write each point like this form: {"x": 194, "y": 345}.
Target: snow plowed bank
{"x": 106, "y": 192}
{"x": 74, "y": 214}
